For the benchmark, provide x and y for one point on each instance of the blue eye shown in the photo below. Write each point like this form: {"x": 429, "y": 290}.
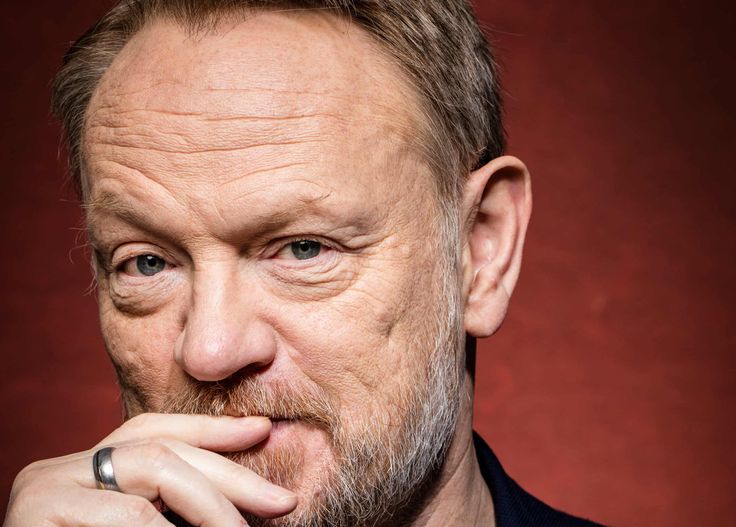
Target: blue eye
{"x": 149, "y": 265}
{"x": 305, "y": 249}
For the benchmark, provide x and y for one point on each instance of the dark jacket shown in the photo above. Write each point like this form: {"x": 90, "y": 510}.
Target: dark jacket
{"x": 514, "y": 507}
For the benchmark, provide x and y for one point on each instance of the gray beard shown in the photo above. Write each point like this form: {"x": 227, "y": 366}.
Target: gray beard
{"x": 384, "y": 481}
{"x": 378, "y": 479}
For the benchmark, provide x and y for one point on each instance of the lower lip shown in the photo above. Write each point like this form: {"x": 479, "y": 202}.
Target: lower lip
{"x": 281, "y": 426}
{"x": 290, "y": 430}
{"x": 297, "y": 434}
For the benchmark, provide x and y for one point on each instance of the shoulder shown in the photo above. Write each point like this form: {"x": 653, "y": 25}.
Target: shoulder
{"x": 514, "y": 507}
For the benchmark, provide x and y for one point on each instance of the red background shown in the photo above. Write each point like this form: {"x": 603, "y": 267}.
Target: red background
{"x": 609, "y": 390}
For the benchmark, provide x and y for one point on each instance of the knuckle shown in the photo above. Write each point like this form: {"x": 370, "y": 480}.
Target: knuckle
{"x": 20, "y": 482}
{"x": 140, "y": 421}
{"x": 157, "y": 455}
{"x": 236, "y": 472}
{"x": 27, "y": 479}
{"x": 142, "y": 512}
{"x": 26, "y": 499}
{"x": 171, "y": 444}
{"x": 27, "y": 474}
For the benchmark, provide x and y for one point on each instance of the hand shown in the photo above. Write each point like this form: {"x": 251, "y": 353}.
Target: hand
{"x": 157, "y": 456}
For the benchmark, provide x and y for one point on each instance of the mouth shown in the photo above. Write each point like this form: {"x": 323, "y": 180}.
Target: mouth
{"x": 293, "y": 432}
{"x": 281, "y": 426}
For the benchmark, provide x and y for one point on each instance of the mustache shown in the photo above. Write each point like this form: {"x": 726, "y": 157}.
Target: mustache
{"x": 249, "y": 396}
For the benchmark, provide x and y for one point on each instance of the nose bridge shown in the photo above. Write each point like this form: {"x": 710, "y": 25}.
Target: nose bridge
{"x": 223, "y": 332}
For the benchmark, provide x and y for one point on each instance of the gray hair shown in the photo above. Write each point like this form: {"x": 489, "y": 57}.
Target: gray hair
{"x": 437, "y": 43}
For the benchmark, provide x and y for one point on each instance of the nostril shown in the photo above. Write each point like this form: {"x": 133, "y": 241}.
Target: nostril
{"x": 255, "y": 368}
{"x": 227, "y": 384}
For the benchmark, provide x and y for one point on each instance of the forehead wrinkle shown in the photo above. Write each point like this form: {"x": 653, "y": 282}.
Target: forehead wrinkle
{"x": 198, "y": 150}
{"x": 191, "y": 102}
{"x": 279, "y": 202}
{"x": 109, "y": 93}
{"x": 177, "y": 132}
{"x": 256, "y": 172}
{"x": 117, "y": 123}
{"x": 122, "y": 166}
{"x": 253, "y": 144}
{"x": 239, "y": 133}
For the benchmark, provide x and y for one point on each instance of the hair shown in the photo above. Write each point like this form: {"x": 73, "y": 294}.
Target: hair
{"x": 436, "y": 43}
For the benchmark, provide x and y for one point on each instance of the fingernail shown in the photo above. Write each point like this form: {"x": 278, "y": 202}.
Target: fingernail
{"x": 281, "y": 495}
{"x": 256, "y": 420}
{"x": 288, "y": 500}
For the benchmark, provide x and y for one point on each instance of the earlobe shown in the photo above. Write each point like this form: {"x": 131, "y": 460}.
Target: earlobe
{"x": 496, "y": 208}
{"x": 486, "y": 304}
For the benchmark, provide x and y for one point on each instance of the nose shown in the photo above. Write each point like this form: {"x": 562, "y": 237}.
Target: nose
{"x": 223, "y": 332}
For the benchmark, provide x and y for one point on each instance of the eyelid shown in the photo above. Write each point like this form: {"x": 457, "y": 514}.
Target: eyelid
{"x": 119, "y": 263}
{"x": 123, "y": 254}
{"x": 284, "y": 243}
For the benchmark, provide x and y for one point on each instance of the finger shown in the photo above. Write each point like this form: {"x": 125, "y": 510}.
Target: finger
{"x": 71, "y": 505}
{"x": 145, "y": 464}
{"x": 243, "y": 487}
{"x": 154, "y": 471}
{"x": 103, "y": 508}
{"x": 219, "y": 433}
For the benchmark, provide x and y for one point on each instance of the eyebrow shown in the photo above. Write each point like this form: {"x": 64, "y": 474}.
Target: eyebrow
{"x": 301, "y": 204}
{"x": 110, "y": 203}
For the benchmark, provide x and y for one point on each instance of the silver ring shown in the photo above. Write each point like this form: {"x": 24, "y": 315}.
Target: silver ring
{"x": 103, "y": 471}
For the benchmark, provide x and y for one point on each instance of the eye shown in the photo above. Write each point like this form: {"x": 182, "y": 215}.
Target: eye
{"x": 145, "y": 264}
{"x": 305, "y": 249}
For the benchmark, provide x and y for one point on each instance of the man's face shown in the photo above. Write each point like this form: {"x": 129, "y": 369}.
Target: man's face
{"x": 266, "y": 240}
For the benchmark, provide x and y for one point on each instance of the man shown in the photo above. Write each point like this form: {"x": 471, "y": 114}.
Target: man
{"x": 301, "y": 219}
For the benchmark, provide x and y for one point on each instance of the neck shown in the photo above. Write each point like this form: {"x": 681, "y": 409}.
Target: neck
{"x": 462, "y": 497}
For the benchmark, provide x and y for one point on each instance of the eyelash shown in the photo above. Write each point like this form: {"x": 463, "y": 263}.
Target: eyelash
{"x": 285, "y": 243}
{"x": 110, "y": 267}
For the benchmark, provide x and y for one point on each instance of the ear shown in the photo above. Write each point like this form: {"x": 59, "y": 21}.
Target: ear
{"x": 497, "y": 204}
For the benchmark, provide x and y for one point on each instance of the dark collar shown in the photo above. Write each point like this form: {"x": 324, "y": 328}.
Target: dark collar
{"x": 514, "y": 507}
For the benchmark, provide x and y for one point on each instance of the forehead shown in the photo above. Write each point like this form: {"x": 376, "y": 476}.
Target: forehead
{"x": 306, "y": 52}
{"x": 250, "y": 79}
{"x": 278, "y": 100}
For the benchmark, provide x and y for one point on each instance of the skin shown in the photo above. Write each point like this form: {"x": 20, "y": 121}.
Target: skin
{"x": 214, "y": 154}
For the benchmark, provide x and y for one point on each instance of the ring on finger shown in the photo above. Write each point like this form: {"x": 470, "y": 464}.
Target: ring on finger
{"x": 103, "y": 470}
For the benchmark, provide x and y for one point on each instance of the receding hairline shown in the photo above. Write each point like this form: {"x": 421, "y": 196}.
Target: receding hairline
{"x": 438, "y": 44}
{"x": 402, "y": 90}
{"x": 399, "y": 108}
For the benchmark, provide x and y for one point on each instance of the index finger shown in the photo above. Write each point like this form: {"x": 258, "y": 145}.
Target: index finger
{"x": 217, "y": 433}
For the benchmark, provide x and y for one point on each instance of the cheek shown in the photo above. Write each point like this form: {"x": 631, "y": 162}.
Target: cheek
{"x": 361, "y": 346}
{"x": 141, "y": 348}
